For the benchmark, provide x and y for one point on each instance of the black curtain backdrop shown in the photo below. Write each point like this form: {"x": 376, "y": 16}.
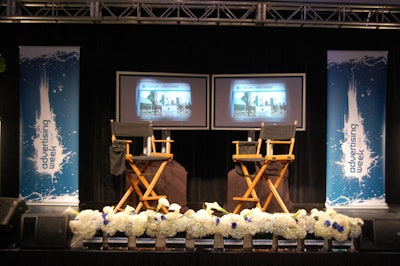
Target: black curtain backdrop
{"x": 206, "y": 155}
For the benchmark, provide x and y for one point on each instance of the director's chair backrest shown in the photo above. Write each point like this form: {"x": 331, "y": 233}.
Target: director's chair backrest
{"x": 278, "y": 134}
{"x": 126, "y": 130}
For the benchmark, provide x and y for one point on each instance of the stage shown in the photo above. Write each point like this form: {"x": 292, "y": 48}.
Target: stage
{"x": 379, "y": 244}
{"x": 110, "y": 258}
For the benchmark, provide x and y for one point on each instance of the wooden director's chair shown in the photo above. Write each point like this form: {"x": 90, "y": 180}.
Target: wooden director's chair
{"x": 123, "y": 136}
{"x": 248, "y": 154}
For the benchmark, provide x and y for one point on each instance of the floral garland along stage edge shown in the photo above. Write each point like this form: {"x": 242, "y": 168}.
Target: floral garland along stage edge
{"x": 327, "y": 224}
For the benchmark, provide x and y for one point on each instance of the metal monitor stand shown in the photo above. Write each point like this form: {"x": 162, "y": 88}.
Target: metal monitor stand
{"x": 251, "y": 135}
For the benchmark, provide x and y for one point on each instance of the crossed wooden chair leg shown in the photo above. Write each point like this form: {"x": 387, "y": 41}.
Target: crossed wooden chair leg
{"x": 149, "y": 194}
{"x": 251, "y": 196}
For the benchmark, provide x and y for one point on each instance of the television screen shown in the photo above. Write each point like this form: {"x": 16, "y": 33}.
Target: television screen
{"x": 242, "y": 102}
{"x": 171, "y": 101}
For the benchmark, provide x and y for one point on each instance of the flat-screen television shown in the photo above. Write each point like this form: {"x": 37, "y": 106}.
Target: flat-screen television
{"x": 172, "y": 101}
{"x": 243, "y": 101}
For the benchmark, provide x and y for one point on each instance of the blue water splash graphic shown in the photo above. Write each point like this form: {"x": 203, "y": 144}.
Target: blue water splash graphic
{"x": 50, "y": 154}
{"x": 357, "y": 160}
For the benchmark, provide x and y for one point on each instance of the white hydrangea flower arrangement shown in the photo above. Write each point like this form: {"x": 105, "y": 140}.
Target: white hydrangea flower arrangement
{"x": 86, "y": 223}
{"x": 233, "y": 225}
{"x": 289, "y": 225}
{"x": 261, "y": 222}
{"x": 201, "y": 223}
{"x": 327, "y": 224}
{"x": 132, "y": 224}
{"x": 332, "y": 225}
{"x": 110, "y": 221}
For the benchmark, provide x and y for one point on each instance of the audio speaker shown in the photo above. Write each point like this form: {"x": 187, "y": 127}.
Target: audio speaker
{"x": 11, "y": 210}
{"x": 387, "y": 233}
{"x": 381, "y": 235}
{"x": 45, "y": 231}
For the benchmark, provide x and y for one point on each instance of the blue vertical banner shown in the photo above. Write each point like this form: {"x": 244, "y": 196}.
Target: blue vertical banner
{"x": 356, "y": 104}
{"x": 49, "y": 125}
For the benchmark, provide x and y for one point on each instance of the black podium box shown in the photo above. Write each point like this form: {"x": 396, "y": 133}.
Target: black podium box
{"x": 45, "y": 231}
{"x": 381, "y": 234}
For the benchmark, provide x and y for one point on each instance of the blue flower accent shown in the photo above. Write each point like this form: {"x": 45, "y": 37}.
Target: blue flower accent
{"x": 327, "y": 223}
{"x": 217, "y": 220}
{"x": 104, "y": 216}
{"x": 155, "y": 219}
{"x": 163, "y": 217}
{"x": 247, "y": 219}
{"x": 338, "y": 227}
{"x": 234, "y": 225}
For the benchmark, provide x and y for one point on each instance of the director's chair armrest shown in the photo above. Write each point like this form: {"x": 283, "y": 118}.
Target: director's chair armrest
{"x": 163, "y": 140}
{"x": 128, "y": 143}
{"x": 246, "y": 147}
{"x": 119, "y": 142}
{"x": 167, "y": 152}
{"x": 270, "y": 145}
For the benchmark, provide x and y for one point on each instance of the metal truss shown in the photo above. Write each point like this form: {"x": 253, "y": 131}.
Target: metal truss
{"x": 213, "y": 13}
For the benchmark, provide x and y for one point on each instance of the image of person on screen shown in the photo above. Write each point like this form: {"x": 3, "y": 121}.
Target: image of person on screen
{"x": 155, "y": 106}
{"x": 250, "y": 107}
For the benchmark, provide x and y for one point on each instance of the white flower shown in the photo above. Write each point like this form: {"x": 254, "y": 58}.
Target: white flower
{"x": 162, "y": 202}
{"x": 201, "y": 223}
{"x": 151, "y": 224}
{"x": 215, "y": 206}
{"x": 110, "y": 221}
{"x": 130, "y": 223}
{"x": 174, "y": 207}
{"x": 184, "y": 222}
{"x": 355, "y": 225}
{"x": 137, "y": 224}
{"x": 171, "y": 221}
{"x": 233, "y": 225}
{"x": 288, "y": 227}
{"x": 70, "y": 211}
{"x": 163, "y": 224}
{"x": 340, "y": 227}
{"x": 261, "y": 222}
{"x": 322, "y": 223}
{"x": 86, "y": 223}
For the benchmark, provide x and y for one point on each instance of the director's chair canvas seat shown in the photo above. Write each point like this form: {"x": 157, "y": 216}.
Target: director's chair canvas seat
{"x": 122, "y": 151}
{"x": 255, "y": 166}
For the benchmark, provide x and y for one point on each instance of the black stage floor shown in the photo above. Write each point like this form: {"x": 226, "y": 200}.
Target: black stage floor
{"x": 379, "y": 244}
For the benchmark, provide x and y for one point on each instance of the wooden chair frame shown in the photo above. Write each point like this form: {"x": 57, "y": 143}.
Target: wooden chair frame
{"x": 156, "y": 150}
{"x": 272, "y": 135}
